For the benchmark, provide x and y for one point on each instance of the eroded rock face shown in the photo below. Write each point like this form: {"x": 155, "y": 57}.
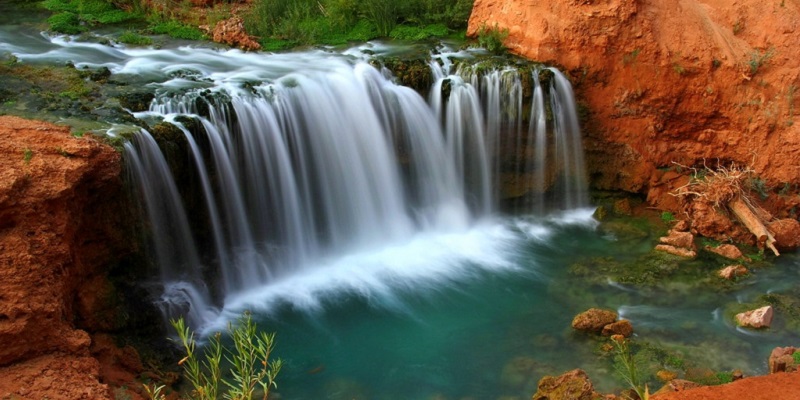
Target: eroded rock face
{"x": 781, "y": 360}
{"x": 669, "y": 82}
{"x": 57, "y": 231}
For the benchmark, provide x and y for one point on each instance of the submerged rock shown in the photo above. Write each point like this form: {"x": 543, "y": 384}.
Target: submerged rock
{"x": 593, "y": 320}
{"x": 572, "y": 385}
{"x": 758, "y": 318}
{"x": 622, "y": 327}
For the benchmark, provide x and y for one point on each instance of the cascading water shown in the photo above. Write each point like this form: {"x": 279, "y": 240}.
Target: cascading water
{"x": 365, "y": 224}
{"x": 334, "y": 159}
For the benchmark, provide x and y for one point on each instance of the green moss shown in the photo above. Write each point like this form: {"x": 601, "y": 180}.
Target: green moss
{"x": 133, "y": 38}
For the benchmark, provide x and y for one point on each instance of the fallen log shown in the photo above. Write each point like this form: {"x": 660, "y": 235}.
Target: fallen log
{"x": 754, "y": 224}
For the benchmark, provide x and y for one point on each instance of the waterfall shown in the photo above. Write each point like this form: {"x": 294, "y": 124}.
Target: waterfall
{"x": 319, "y": 162}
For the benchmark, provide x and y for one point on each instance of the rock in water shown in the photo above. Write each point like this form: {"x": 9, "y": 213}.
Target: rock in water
{"x": 758, "y": 318}
{"x": 593, "y": 320}
{"x": 572, "y": 385}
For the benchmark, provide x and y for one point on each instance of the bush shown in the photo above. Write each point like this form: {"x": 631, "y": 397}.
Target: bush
{"x": 492, "y": 38}
{"x": 250, "y": 364}
{"x": 133, "y": 38}
{"x": 65, "y": 22}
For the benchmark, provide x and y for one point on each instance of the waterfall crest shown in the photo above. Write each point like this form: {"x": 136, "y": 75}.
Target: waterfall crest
{"x": 323, "y": 162}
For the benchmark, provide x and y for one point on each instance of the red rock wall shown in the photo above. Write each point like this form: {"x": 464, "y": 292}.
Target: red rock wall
{"x": 669, "y": 81}
{"x": 58, "y": 232}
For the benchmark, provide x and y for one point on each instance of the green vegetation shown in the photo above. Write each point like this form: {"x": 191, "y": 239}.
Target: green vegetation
{"x": 133, "y": 38}
{"x": 492, "y": 38}
{"x": 796, "y": 357}
{"x": 628, "y": 366}
{"x": 334, "y": 22}
{"x": 250, "y": 364}
{"x": 757, "y": 59}
{"x": 27, "y": 155}
{"x": 667, "y": 217}
{"x": 76, "y": 16}
{"x": 178, "y": 30}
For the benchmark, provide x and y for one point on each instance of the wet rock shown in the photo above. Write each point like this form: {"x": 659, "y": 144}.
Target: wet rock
{"x": 593, "y": 320}
{"x": 572, "y": 385}
{"x": 678, "y": 251}
{"x": 231, "y": 32}
{"x": 732, "y": 271}
{"x": 758, "y": 318}
{"x": 786, "y": 232}
{"x": 600, "y": 213}
{"x": 622, "y": 327}
{"x": 726, "y": 250}
{"x": 623, "y": 207}
{"x": 517, "y": 372}
{"x": 778, "y": 361}
{"x": 678, "y": 239}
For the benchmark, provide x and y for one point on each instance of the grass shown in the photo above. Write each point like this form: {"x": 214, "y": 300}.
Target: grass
{"x": 667, "y": 217}
{"x": 178, "y": 30}
{"x": 27, "y": 155}
{"x": 758, "y": 59}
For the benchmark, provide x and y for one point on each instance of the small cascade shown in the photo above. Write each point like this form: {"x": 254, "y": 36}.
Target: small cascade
{"x": 329, "y": 160}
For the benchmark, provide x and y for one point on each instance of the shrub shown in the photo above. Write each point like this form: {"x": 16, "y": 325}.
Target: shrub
{"x": 250, "y": 364}
{"x": 133, "y": 38}
{"x": 492, "y": 38}
{"x": 65, "y": 22}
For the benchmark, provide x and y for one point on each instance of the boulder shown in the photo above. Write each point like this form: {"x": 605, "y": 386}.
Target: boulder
{"x": 732, "y": 271}
{"x": 786, "y": 232}
{"x": 572, "y": 385}
{"x": 593, "y": 320}
{"x": 677, "y": 238}
{"x": 622, "y": 327}
{"x": 758, "y": 318}
{"x": 781, "y": 360}
{"x": 726, "y": 250}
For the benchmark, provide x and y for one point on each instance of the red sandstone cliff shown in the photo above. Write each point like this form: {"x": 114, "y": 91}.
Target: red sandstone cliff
{"x": 57, "y": 234}
{"x": 670, "y": 81}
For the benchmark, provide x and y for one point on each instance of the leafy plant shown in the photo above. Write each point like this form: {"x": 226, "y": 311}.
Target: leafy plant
{"x": 667, "y": 217}
{"x": 492, "y": 38}
{"x": 628, "y": 367}
{"x": 153, "y": 392}
{"x": 796, "y": 357}
{"x": 250, "y": 364}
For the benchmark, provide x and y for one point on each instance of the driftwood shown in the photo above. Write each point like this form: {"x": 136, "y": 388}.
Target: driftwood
{"x": 751, "y": 221}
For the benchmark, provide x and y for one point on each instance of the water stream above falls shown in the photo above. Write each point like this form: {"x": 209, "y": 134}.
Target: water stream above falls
{"x": 363, "y": 221}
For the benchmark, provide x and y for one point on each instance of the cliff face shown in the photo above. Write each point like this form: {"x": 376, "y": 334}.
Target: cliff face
{"x": 58, "y": 232}
{"x": 669, "y": 82}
